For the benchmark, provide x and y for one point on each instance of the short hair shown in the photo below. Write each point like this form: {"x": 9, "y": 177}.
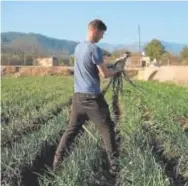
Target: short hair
{"x": 98, "y": 24}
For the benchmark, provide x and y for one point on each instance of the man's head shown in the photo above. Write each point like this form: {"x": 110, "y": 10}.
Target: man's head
{"x": 96, "y": 29}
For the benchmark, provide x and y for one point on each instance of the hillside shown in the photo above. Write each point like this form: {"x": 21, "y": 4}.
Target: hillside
{"x": 173, "y": 48}
{"x": 37, "y": 43}
{"x": 32, "y": 43}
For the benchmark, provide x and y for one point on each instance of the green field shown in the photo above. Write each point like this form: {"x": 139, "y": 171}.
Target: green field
{"x": 152, "y": 123}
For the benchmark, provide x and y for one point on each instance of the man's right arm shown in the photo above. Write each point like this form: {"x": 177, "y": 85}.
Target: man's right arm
{"x": 105, "y": 72}
{"x": 97, "y": 58}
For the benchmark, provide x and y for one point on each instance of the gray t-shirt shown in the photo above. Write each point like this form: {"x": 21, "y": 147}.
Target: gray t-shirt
{"x": 86, "y": 75}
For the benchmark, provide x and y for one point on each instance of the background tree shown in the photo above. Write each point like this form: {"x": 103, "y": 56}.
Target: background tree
{"x": 71, "y": 60}
{"x": 106, "y": 53}
{"x": 165, "y": 59}
{"x": 118, "y": 53}
{"x": 184, "y": 56}
{"x": 184, "y": 53}
{"x": 154, "y": 49}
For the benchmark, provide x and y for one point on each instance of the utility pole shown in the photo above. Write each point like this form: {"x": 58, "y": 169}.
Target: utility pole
{"x": 139, "y": 39}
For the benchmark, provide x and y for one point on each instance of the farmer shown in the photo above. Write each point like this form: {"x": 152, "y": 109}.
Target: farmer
{"x": 87, "y": 101}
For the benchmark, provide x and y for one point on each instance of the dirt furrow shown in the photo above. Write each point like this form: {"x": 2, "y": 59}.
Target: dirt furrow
{"x": 35, "y": 124}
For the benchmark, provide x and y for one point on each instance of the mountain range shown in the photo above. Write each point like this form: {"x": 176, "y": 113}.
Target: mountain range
{"x": 28, "y": 42}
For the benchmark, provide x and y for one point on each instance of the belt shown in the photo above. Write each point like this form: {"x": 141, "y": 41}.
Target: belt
{"x": 87, "y": 95}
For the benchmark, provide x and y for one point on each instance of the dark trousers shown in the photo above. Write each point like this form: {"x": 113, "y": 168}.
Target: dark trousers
{"x": 95, "y": 108}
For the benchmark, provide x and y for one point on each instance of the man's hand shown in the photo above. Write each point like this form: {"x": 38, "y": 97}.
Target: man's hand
{"x": 105, "y": 72}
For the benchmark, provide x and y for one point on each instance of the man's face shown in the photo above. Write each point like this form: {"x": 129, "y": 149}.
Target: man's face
{"x": 97, "y": 35}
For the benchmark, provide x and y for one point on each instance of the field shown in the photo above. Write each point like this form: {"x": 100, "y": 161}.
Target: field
{"x": 153, "y": 125}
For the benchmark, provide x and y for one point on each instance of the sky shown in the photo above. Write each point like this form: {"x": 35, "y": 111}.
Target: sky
{"x": 166, "y": 21}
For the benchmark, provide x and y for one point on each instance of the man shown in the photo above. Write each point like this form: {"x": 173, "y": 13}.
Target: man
{"x": 87, "y": 101}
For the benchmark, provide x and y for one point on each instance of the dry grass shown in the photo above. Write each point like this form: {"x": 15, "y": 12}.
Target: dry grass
{"x": 35, "y": 71}
{"x": 176, "y": 74}
{"x": 9, "y": 69}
